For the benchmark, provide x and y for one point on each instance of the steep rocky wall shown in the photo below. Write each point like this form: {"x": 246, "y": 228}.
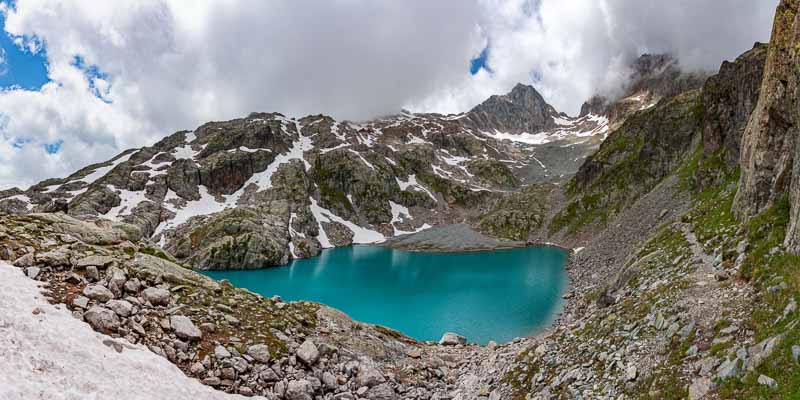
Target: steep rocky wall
{"x": 729, "y": 98}
{"x": 792, "y": 241}
{"x": 768, "y": 143}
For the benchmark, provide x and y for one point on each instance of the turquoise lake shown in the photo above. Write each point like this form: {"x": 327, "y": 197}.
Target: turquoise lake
{"x": 496, "y": 295}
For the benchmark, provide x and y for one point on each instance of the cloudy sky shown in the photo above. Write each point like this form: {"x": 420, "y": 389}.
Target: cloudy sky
{"x": 83, "y": 80}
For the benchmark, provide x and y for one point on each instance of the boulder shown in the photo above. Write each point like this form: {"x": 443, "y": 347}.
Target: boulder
{"x": 92, "y": 274}
{"x": 307, "y": 353}
{"x": 383, "y": 391}
{"x": 98, "y": 292}
{"x": 25, "y": 261}
{"x": 221, "y": 352}
{"x": 81, "y": 301}
{"x": 700, "y": 388}
{"x": 116, "y": 281}
{"x": 184, "y": 328}
{"x": 767, "y": 381}
{"x": 54, "y": 258}
{"x": 259, "y": 352}
{"x": 120, "y": 307}
{"x": 369, "y": 376}
{"x": 452, "y": 339}
{"x": 299, "y": 390}
{"x": 157, "y": 296}
{"x": 33, "y": 272}
{"x": 96, "y": 261}
{"x": 102, "y": 319}
{"x": 133, "y": 286}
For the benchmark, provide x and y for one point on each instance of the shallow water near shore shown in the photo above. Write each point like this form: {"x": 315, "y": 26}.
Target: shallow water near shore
{"x": 491, "y": 295}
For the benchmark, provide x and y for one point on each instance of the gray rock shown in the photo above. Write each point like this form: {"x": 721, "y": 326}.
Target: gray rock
{"x": 156, "y": 296}
{"x": 729, "y": 369}
{"x": 95, "y": 261}
{"x": 92, "y": 274}
{"x": 74, "y": 279}
{"x": 762, "y": 351}
{"x": 98, "y": 292}
{"x": 33, "y": 272}
{"x": 80, "y": 301}
{"x": 25, "y": 261}
{"x": 299, "y": 390}
{"x": 221, "y": 352}
{"x": 369, "y": 376}
{"x": 631, "y": 373}
{"x": 329, "y": 381}
{"x": 120, "y": 307}
{"x": 102, "y": 319}
{"x": 184, "y": 328}
{"x": 259, "y": 352}
{"x": 452, "y": 339}
{"x": 728, "y": 330}
{"x": 116, "y": 280}
{"x": 197, "y": 369}
{"x": 54, "y": 258}
{"x": 133, "y": 286}
{"x": 795, "y": 353}
{"x": 699, "y": 389}
{"x": 307, "y": 353}
{"x": 722, "y": 276}
{"x": 383, "y": 391}
{"x": 268, "y": 375}
{"x": 686, "y": 330}
{"x": 767, "y": 381}
{"x": 672, "y": 330}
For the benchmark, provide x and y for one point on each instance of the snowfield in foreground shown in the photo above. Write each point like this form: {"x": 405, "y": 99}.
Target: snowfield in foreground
{"x": 52, "y": 355}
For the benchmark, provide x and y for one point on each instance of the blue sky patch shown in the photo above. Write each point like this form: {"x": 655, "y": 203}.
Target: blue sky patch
{"x": 93, "y": 73}
{"x": 19, "y": 142}
{"x": 53, "y": 148}
{"x": 480, "y": 62}
{"x": 21, "y": 68}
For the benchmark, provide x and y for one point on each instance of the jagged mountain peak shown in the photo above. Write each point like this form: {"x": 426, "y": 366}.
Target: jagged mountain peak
{"x": 522, "y": 110}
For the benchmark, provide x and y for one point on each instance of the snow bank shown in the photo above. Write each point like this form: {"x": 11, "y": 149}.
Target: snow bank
{"x": 54, "y": 356}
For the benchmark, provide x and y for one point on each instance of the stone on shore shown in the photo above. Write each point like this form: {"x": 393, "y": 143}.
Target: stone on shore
{"x": 452, "y": 339}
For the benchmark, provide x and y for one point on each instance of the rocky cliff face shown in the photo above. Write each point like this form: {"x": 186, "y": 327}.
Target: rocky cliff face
{"x": 768, "y": 142}
{"x": 770, "y": 139}
{"x": 729, "y": 98}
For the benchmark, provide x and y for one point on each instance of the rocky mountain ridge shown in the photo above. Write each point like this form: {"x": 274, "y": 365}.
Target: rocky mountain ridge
{"x": 265, "y": 189}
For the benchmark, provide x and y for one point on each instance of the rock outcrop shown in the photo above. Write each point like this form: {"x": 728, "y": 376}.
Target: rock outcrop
{"x": 729, "y": 98}
{"x": 768, "y": 144}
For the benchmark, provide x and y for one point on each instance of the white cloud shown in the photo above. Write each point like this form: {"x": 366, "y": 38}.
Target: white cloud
{"x": 171, "y": 65}
{"x": 571, "y": 50}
